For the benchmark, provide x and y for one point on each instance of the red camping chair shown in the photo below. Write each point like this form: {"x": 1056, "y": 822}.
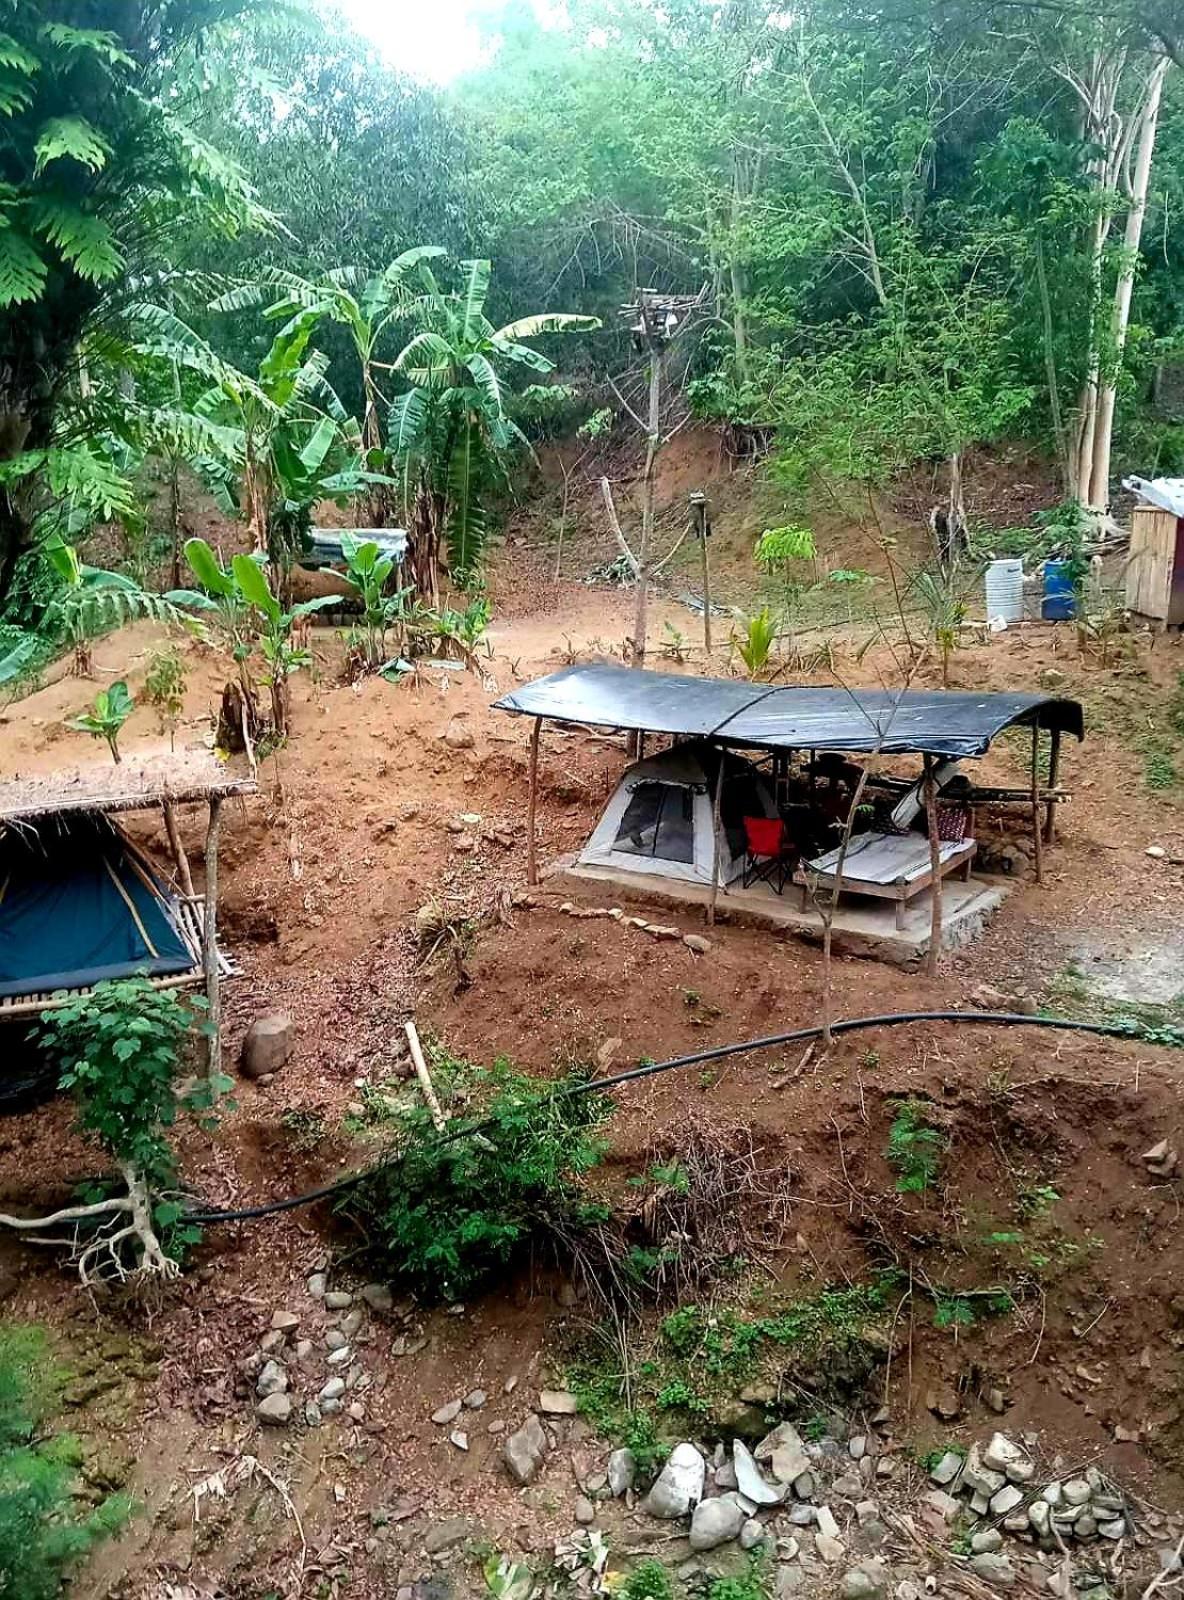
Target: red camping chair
{"x": 768, "y": 855}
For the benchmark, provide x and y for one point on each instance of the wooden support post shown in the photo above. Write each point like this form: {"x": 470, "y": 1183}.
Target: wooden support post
{"x": 699, "y": 512}
{"x": 439, "y": 1122}
{"x": 178, "y": 849}
{"x": 1037, "y": 827}
{"x": 1054, "y": 772}
{"x": 935, "y": 872}
{"x": 209, "y": 944}
{"x": 716, "y": 807}
{"x": 532, "y": 856}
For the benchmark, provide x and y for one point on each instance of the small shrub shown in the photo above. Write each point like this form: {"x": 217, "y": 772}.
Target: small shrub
{"x": 649, "y": 1580}
{"x": 914, "y": 1149}
{"x": 445, "y": 1214}
{"x": 751, "y": 1584}
{"x": 112, "y": 707}
{"x": 41, "y": 1533}
{"x": 164, "y": 690}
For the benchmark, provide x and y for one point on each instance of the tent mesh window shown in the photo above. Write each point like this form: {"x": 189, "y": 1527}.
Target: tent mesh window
{"x": 659, "y": 822}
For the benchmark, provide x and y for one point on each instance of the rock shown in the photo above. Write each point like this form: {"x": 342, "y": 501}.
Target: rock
{"x": 1158, "y": 1152}
{"x": 446, "y": 1535}
{"x": 275, "y": 1409}
{"x": 330, "y": 1408}
{"x": 1007, "y": 1499}
{"x": 948, "y": 1468}
{"x": 510, "y": 1384}
{"x": 697, "y": 943}
{"x": 725, "y": 1476}
{"x": 847, "y": 1487}
{"x": 1001, "y": 1455}
{"x": 558, "y": 1403}
{"x": 312, "y": 1414}
{"x": 316, "y": 1285}
{"x": 335, "y": 1339}
{"x": 995, "y": 1400}
{"x": 859, "y": 1584}
{"x": 378, "y": 1297}
{"x": 751, "y": 1534}
{"x": 1112, "y": 1530}
{"x": 714, "y": 1522}
{"x": 1125, "y": 1435}
{"x": 866, "y": 1511}
{"x": 946, "y": 1507}
{"x": 992, "y": 1568}
{"x": 1076, "y": 1492}
{"x": 475, "y": 1399}
{"x": 979, "y": 1478}
{"x": 944, "y": 1403}
{"x": 785, "y": 1453}
{"x": 857, "y": 1446}
{"x": 788, "y": 1581}
{"x": 788, "y": 1549}
{"x": 303, "y": 1349}
{"x": 621, "y": 1470}
{"x": 750, "y": 1480}
{"x": 829, "y": 1550}
{"x": 495, "y": 1427}
{"x": 678, "y": 1488}
{"x": 459, "y": 1438}
{"x": 357, "y": 1411}
{"x": 457, "y": 737}
{"x": 333, "y": 1390}
{"x": 1053, "y": 1493}
{"x": 1156, "y": 851}
{"x": 585, "y": 1511}
{"x": 272, "y": 1341}
{"x": 524, "y": 1451}
{"x": 1040, "y": 1518}
{"x": 267, "y": 1045}
{"x": 285, "y": 1321}
{"x": 986, "y": 1542}
{"x": 658, "y": 930}
{"x": 340, "y": 1356}
{"x": 447, "y": 1413}
{"x": 273, "y": 1379}
{"x": 825, "y": 1518}
{"x": 803, "y": 1487}
{"x": 1085, "y": 1527}
{"x": 338, "y": 1300}
{"x": 801, "y": 1516}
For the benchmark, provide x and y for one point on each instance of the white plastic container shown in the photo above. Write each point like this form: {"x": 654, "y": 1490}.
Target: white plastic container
{"x": 1005, "y": 590}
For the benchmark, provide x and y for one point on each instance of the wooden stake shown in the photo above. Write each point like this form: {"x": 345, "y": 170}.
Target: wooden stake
{"x": 209, "y": 945}
{"x": 1054, "y": 772}
{"x": 1037, "y": 829}
{"x": 699, "y": 507}
{"x": 439, "y": 1121}
{"x": 178, "y": 849}
{"x": 532, "y": 861}
{"x": 934, "y": 871}
{"x": 716, "y": 806}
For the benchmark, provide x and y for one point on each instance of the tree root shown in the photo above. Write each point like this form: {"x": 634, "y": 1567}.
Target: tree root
{"x": 100, "y": 1237}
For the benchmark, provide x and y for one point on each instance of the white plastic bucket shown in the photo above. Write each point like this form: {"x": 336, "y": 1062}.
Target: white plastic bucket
{"x": 1005, "y": 590}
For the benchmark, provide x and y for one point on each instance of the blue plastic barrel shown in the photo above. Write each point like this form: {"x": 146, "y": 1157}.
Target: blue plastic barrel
{"x": 1059, "y": 603}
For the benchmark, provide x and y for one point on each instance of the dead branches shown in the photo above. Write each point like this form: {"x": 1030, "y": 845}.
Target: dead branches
{"x": 102, "y": 1238}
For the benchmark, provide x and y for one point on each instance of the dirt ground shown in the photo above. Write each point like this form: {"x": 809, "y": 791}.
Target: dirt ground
{"x": 357, "y": 825}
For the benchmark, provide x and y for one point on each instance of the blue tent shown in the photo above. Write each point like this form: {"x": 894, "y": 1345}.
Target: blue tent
{"x": 78, "y": 905}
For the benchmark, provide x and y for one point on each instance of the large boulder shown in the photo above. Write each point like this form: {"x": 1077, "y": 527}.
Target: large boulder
{"x": 716, "y": 1521}
{"x": 524, "y": 1452}
{"x": 268, "y": 1044}
{"x": 679, "y": 1486}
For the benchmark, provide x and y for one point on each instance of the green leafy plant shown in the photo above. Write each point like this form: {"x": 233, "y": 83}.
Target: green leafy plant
{"x": 755, "y": 643}
{"x": 164, "y": 690}
{"x": 368, "y": 572}
{"x": 943, "y": 599}
{"x": 91, "y": 600}
{"x": 282, "y": 656}
{"x": 119, "y": 1050}
{"x": 648, "y": 1580}
{"x": 914, "y": 1149}
{"x": 112, "y": 708}
{"x": 751, "y": 1584}
{"x": 43, "y": 1533}
{"x": 444, "y": 1214}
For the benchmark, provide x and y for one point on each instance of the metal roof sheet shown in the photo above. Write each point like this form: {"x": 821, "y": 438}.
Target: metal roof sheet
{"x": 940, "y": 722}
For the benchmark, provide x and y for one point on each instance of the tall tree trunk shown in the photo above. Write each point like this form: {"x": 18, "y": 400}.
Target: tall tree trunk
{"x": 653, "y": 444}
{"x": 1099, "y": 484}
{"x": 1050, "y": 368}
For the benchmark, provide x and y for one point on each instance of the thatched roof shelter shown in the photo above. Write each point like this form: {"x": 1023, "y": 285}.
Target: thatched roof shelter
{"x": 130, "y": 785}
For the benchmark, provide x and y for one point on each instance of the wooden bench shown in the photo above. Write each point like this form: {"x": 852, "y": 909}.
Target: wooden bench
{"x": 888, "y": 866}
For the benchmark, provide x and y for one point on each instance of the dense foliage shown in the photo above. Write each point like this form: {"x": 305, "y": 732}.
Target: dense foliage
{"x": 447, "y": 1214}
{"x": 42, "y": 1531}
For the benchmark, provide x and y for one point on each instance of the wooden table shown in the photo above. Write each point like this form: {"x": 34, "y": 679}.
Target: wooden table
{"x": 889, "y": 866}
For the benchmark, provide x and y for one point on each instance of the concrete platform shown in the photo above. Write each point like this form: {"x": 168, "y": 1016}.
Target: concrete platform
{"x": 862, "y": 926}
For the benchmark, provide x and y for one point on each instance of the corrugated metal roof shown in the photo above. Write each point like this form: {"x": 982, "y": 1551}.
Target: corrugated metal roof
{"x": 1166, "y": 493}
{"x": 935, "y": 721}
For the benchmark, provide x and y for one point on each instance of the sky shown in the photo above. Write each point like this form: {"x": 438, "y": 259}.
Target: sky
{"x": 435, "y": 40}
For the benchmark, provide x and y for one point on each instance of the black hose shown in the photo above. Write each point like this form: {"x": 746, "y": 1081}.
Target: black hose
{"x": 650, "y": 1069}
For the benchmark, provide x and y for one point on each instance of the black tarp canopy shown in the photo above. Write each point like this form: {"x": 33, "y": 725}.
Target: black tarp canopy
{"x": 933, "y": 721}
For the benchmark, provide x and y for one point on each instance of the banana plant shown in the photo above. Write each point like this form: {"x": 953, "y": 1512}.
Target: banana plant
{"x": 112, "y": 708}
{"x": 93, "y": 600}
{"x": 282, "y": 655}
{"x": 450, "y": 433}
{"x": 368, "y": 572}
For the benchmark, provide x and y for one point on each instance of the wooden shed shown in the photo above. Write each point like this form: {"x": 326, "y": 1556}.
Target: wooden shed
{"x": 1155, "y": 569}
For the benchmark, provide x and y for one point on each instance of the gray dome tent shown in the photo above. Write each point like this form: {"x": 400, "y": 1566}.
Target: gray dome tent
{"x": 659, "y": 820}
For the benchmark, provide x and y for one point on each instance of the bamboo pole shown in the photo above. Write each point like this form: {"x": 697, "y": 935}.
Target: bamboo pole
{"x": 1037, "y": 828}
{"x": 716, "y": 807}
{"x": 1054, "y": 772}
{"x": 532, "y": 860}
{"x": 935, "y": 889}
{"x": 178, "y": 849}
{"x": 209, "y": 941}
{"x": 439, "y": 1121}
{"x": 699, "y": 511}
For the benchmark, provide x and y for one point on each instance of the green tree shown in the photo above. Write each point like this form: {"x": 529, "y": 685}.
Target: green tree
{"x": 98, "y": 169}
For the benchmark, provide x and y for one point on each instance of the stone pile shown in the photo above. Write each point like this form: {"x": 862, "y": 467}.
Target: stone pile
{"x": 288, "y": 1362}
{"x": 656, "y": 930}
{"x": 997, "y": 1482}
